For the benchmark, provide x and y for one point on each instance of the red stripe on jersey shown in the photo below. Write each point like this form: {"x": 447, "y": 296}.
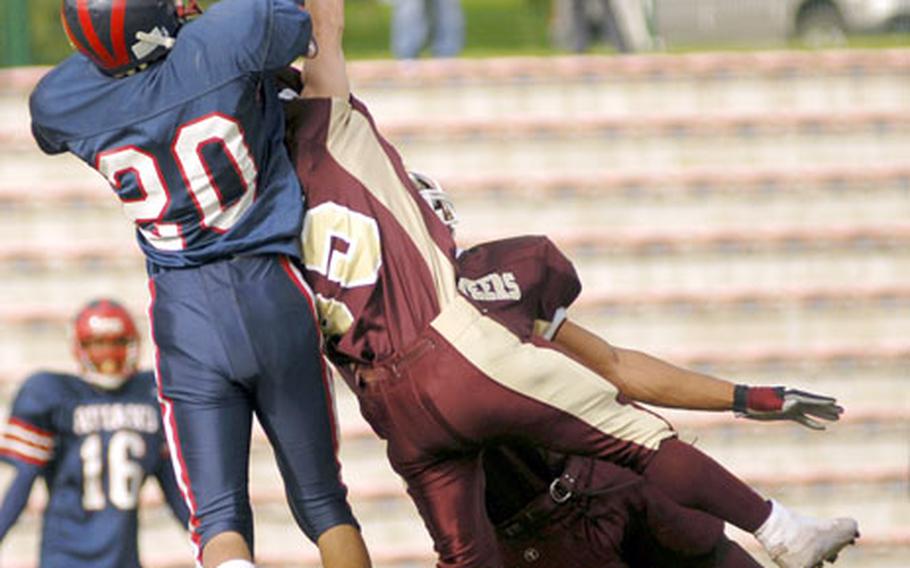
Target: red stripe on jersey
{"x": 21, "y": 457}
{"x": 297, "y": 278}
{"x": 167, "y": 415}
{"x": 118, "y": 34}
{"x": 85, "y": 22}
{"x": 33, "y": 429}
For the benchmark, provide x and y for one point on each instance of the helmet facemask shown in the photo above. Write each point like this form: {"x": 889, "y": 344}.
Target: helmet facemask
{"x": 436, "y": 197}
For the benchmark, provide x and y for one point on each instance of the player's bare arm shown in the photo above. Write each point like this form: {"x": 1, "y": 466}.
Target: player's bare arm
{"x": 325, "y": 74}
{"x": 648, "y": 379}
{"x": 637, "y": 375}
{"x": 645, "y": 378}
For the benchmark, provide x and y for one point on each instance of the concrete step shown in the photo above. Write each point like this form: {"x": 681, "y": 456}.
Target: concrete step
{"x": 760, "y": 183}
{"x": 26, "y": 218}
{"x": 638, "y": 85}
{"x": 795, "y": 317}
{"x": 679, "y": 211}
{"x": 623, "y": 284}
{"x": 791, "y": 328}
{"x": 593, "y": 155}
{"x": 590, "y": 152}
{"x": 641, "y": 84}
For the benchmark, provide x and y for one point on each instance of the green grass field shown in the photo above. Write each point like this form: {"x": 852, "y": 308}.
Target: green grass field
{"x": 493, "y": 27}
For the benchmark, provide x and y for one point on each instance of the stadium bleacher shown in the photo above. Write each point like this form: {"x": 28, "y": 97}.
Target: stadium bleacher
{"x": 747, "y": 214}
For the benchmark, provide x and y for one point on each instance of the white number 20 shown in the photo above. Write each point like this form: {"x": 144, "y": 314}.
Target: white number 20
{"x": 150, "y": 208}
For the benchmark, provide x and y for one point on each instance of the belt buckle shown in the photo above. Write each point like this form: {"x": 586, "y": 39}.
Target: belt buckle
{"x": 559, "y": 492}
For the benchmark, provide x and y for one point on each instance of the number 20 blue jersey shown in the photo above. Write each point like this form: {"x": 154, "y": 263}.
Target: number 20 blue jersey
{"x": 192, "y": 145}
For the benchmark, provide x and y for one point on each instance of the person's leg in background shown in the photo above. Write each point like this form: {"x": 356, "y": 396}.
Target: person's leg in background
{"x": 410, "y": 28}
{"x": 611, "y": 27}
{"x": 632, "y": 17}
{"x": 448, "y": 28}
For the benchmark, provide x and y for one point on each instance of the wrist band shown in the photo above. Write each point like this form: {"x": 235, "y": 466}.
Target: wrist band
{"x": 740, "y": 399}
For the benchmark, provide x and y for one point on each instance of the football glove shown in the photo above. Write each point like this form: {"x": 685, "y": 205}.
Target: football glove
{"x": 781, "y": 403}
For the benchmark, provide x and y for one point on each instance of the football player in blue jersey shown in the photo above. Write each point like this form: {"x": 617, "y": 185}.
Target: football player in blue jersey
{"x": 181, "y": 115}
{"x": 94, "y": 439}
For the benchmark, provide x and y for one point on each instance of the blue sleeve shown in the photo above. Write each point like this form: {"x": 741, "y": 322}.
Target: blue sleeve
{"x": 255, "y": 35}
{"x": 29, "y": 433}
{"x": 168, "y": 483}
{"x": 16, "y": 496}
{"x": 45, "y": 141}
{"x": 291, "y": 31}
{"x": 42, "y": 135}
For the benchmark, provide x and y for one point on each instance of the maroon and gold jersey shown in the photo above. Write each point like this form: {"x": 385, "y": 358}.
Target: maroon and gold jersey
{"x": 524, "y": 282}
{"x": 380, "y": 262}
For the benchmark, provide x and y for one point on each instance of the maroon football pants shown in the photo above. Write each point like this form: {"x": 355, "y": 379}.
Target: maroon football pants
{"x": 468, "y": 382}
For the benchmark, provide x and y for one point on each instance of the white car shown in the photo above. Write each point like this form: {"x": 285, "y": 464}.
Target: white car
{"x": 815, "y": 22}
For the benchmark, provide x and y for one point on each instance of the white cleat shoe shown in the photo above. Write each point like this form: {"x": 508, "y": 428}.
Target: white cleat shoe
{"x": 795, "y": 541}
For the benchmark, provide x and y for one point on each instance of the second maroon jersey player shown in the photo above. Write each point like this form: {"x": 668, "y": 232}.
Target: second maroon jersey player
{"x": 610, "y": 516}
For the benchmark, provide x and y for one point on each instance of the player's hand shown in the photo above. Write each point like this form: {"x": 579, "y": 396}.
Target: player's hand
{"x": 312, "y": 49}
{"x": 780, "y": 403}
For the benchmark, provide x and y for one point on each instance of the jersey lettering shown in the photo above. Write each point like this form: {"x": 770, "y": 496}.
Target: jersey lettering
{"x": 91, "y": 418}
{"x": 492, "y": 287}
{"x": 219, "y": 208}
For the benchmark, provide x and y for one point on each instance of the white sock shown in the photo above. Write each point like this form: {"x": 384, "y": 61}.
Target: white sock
{"x": 237, "y": 564}
{"x": 774, "y": 531}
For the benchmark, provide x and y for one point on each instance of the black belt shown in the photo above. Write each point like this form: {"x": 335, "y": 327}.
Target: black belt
{"x": 540, "y": 510}
{"x": 562, "y": 490}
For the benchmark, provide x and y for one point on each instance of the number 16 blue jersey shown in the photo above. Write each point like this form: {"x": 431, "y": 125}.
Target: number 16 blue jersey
{"x": 94, "y": 449}
{"x": 192, "y": 145}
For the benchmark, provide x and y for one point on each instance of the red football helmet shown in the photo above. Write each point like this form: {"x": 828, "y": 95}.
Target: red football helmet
{"x": 106, "y": 343}
{"x": 120, "y": 36}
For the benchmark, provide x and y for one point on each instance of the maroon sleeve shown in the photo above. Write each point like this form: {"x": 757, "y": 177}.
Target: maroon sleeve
{"x": 376, "y": 256}
{"x": 518, "y": 281}
{"x": 561, "y": 285}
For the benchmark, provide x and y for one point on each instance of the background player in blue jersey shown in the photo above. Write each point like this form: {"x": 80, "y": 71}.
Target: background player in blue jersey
{"x": 183, "y": 120}
{"x": 94, "y": 439}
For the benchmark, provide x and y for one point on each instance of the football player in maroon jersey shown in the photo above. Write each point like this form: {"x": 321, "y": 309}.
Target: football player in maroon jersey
{"x": 573, "y": 512}
{"x": 439, "y": 379}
